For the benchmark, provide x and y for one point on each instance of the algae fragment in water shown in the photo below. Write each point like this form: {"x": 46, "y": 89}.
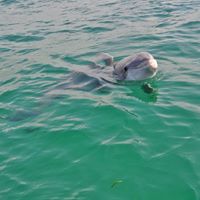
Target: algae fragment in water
{"x": 115, "y": 183}
{"x": 147, "y": 88}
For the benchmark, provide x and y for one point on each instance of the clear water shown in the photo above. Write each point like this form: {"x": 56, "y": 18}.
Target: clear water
{"x": 68, "y": 130}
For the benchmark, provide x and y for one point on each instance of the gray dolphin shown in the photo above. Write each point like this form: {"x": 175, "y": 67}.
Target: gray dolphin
{"x": 140, "y": 66}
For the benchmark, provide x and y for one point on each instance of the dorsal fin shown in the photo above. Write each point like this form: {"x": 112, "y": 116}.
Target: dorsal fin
{"x": 106, "y": 58}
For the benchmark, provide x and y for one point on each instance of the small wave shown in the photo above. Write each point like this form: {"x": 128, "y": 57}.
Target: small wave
{"x": 21, "y": 38}
{"x": 191, "y": 24}
{"x": 4, "y": 50}
{"x": 8, "y": 2}
{"x": 96, "y": 29}
{"x": 27, "y": 51}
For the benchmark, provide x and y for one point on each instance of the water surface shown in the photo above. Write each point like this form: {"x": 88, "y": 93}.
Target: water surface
{"x": 68, "y": 130}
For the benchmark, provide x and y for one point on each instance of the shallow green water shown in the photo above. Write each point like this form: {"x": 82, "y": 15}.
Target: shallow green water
{"x": 69, "y": 130}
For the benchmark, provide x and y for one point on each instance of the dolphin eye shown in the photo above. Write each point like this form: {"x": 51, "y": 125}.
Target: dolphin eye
{"x": 125, "y": 69}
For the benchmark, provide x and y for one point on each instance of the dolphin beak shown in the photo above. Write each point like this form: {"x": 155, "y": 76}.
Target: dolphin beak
{"x": 153, "y": 64}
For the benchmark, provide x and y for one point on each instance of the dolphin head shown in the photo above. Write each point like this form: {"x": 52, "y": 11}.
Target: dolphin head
{"x": 137, "y": 67}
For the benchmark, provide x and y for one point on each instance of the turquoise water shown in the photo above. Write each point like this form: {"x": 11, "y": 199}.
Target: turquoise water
{"x": 69, "y": 131}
